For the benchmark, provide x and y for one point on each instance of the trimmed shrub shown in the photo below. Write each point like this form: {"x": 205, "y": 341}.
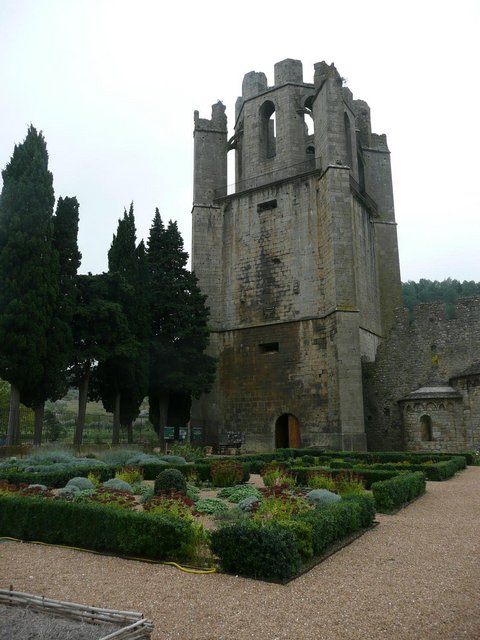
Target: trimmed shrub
{"x": 91, "y": 526}
{"x": 118, "y": 485}
{"x": 84, "y": 484}
{"x": 322, "y": 497}
{"x": 68, "y": 491}
{"x": 367, "y": 508}
{"x": 337, "y": 520}
{"x": 340, "y": 464}
{"x": 392, "y": 494}
{"x": 56, "y": 478}
{"x": 152, "y": 468}
{"x": 140, "y": 459}
{"x": 50, "y": 457}
{"x": 119, "y": 457}
{"x": 303, "y": 532}
{"x": 267, "y": 552}
{"x": 173, "y": 459}
{"x": 170, "y": 480}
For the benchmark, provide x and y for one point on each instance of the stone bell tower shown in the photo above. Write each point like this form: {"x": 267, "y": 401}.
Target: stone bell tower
{"x": 299, "y": 260}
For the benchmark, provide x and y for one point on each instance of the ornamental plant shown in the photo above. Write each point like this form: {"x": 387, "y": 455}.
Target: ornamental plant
{"x": 111, "y": 498}
{"x": 129, "y": 474}
{"x": 349, "y": 483}
{"x": 318, "y": 480}
{"x": 176, "y": 504}
{"x": 211, "y": 506}
{"x": 270, "y": 478}
{"x": 238, "y": 493}
{"x": 272, "y": 466}
{"x": 226, "y": 473}
{"x": 279, "y": 508}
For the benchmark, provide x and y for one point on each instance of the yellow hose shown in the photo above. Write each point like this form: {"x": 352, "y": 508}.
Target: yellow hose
{"x": 170, "y": 564}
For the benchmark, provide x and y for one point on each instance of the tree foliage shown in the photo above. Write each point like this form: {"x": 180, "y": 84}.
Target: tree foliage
{"x": 122, "y": 379}
{"x": 447, "y": 291}
{"x": 179, "y": 323}
{"x": 29, "y": 273}
{"x": 54, "y": 384}
{"x": 100, "y": 332}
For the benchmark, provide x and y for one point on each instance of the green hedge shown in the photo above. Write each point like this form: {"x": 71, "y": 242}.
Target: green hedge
{"x": 96, "y": 527}
{"x": 385, "y": 457}
{"x": 436, "y": 471}
{"x": 275, "y": 551}
{"x": 204, "y": 470}
{"x": 58, "y": 478}
{"x": 369, "y": 475}
{"x": 391, "y": 495}
{"x": 246, "y": 549}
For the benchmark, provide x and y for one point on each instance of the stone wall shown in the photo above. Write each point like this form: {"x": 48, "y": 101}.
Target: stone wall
{"x": 283, "y": 368}
{"x": 429, "y": 350}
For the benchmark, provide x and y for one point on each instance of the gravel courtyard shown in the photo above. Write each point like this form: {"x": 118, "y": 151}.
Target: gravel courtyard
{"x": 415, "y": 576}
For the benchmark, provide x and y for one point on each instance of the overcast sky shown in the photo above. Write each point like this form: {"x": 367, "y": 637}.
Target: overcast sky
{"x": 113, "y": 86}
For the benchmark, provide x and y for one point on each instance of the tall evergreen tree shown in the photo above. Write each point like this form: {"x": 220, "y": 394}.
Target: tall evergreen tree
{"x": 122, "y": 381}
{"x": 100, "y": 332}
{"x": 180, "y": 335}
{"x": 28, "y": 272}
{"x": 65, "y": 225}
{"x": 54, "y": 383}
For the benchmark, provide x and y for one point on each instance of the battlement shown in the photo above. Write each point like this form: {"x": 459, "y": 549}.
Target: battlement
{"x": 218, "y": 121}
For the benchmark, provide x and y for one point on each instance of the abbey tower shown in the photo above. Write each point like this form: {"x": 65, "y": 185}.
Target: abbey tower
{"x": 299, "y": 259}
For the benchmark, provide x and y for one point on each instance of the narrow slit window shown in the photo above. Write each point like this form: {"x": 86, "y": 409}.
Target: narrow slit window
{"x": 265, "y": 206}
{"x": 268, "y": 347}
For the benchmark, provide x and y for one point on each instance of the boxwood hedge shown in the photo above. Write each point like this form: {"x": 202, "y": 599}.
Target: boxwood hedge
{"x": 391, "y": 495}
{"x": 275, "y": 551}
{"x": 96, "y": 527}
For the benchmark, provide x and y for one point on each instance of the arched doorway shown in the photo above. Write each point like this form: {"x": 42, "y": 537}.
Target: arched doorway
{"x": 287, "y": 432}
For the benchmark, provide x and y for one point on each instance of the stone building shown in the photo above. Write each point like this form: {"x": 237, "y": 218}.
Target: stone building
{"x": 298, "y": 258}
{"x": 422, "y": 393}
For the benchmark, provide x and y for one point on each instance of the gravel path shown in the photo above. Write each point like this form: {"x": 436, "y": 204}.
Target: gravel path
{"x": 414, "y": 577}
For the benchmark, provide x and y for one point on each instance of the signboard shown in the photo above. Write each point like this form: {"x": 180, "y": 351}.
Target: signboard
{"x": 168, "y": 433}
{"x": 197, "y": 434}
{"x": 182, "y": 434}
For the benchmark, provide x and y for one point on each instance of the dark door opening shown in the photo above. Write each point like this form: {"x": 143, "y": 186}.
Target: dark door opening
{"x": 287, "y": 432}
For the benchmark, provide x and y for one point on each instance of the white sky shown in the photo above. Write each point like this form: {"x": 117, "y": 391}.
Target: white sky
{"x": 113, "y": 86}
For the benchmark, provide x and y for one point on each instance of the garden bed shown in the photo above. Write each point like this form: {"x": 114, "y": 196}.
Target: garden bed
{"x": 269, "y": 526}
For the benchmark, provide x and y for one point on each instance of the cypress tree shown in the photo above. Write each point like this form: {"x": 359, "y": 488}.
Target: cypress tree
{"x": 122, "y": 381}
{"x": 178, "y": 364}
{"x": 100, "y": 332}
{"x": 28, "y": 272}
{"x": 54, "y": 383}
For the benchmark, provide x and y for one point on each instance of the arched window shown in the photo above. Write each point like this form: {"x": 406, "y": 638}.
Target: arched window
{"x": 426, "y": 428}
{"x": 309, "y": 130}
{"x": 267, "y": 129}
{"x": 308, "y": 116}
